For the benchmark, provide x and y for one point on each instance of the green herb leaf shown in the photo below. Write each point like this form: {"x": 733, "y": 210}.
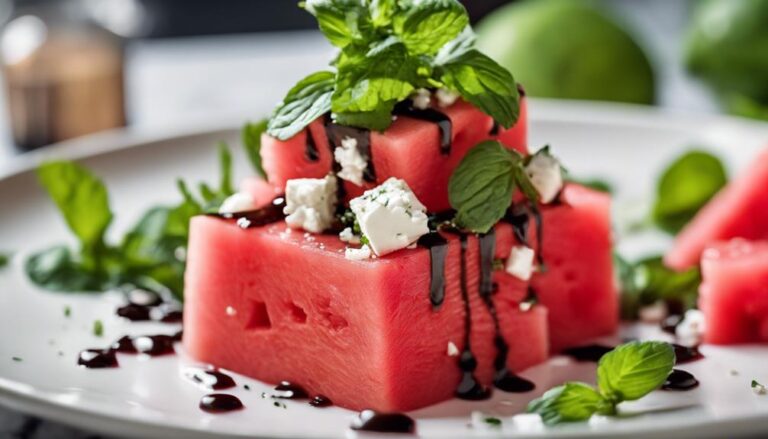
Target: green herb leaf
{"x": 17, "y": 359}
{"x": 67, "y": 311}
{"x": 481, "y": 187}
{"x": 5, "y": 258}
{"x": 382, "y": 12}
{"x": 251, "y": 137}
{"x": 571, "y": 402}
{"x": 634, "y": 369}
{"x": 57, "y": 269}
{"x": 226, "y": 188}
{"x": 82, "y": 199}
{"x": 649, "y": 280}
{"x": 305, "y": 102}
{"x": 496, "y": 422}
{"x": 685, "y": 187}
{"x": 377, "y": 120}
{"x": 427, "y": 25}
{"x": 98, "y": 328}
{"x": 484, "y": 83}
{"x": 463, "y": 43}
{"x": 343, "y": 22}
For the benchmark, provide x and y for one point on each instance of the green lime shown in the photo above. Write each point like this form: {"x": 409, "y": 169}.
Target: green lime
{"x": 567, "y": 49}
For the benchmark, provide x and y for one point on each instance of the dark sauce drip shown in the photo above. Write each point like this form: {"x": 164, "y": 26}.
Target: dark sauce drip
{"x": 368, "y": 420}
{"x": 587, "y": 353}
{"x": 220, "y": 403}
{"x": 152, "y": 345}
{"x": 336, "y": 133}
{"x": 503, "y": 379}
{"x": 320, "y": 401}
{"x": 271, "y": 213}
{"x": 211, "y": 378}
{"x": 310, "y": 148}
{"x": 134, "y": 313}
{"x": 177, "y": 337}
{"x": 518, "y": 217}
{"x": 686, "y": 354}
{"x": 97, "y": 359}
{"x": 469, "y": 387}
{"x": 438, "y": 250}
{"x": 164, "y": 313}
{"x": 443, "y": 122}
{"x": 169, "y": 314}
{"x": 124, "y": 345}
{"x": 495, "y": 128}
{"x": 520, "y": 90}
{"x": 539, "y": 236}
{"x": 680, "y": 380}
{"x": 531, "y": 296}
{"x": 288, "y": 390}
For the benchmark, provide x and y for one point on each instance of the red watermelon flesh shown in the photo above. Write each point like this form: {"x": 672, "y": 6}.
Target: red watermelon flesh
{"x": 361, "y": 332}
{"x": 516, "y": 137}
{"x": 260, "y": 190}
{"x": 740, "y": 210}
{"x": 578, "y": 287}
{"x": 409, "y": 149}
{"x": 734, "y": 292}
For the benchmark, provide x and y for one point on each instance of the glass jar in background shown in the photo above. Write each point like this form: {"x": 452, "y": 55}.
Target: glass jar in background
{"x": 63, "y": 73}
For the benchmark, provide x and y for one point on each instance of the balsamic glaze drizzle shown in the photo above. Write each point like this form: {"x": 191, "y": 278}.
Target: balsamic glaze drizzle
{"x": 289, "y": 390}
{"x": 336, "y": 133}
{"x": 210, "y": 378}
{"x": 220, "y": 403}
{"x": 587, "y": 353}
{"x": 680, "y": 380}
{"x": 369, "y": 420}
{"x": 494, "y": 129}
{"x": 443, "y": 122}
{"x": 517, "y": 216}
{"x": 311, "y": 152}
{"x": 438, "y": 250}
{"x": 686, "y": 354}
{"x": 320, "y": 401}
{"x": 271, "y": 213}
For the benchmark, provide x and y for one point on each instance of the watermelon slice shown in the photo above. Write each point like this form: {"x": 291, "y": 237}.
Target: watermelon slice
{"x": 409, "y": 149}
{"x": 740, "y": 210}
{"x": 578, "y": 286}
{"x": 260, "y": 190}
{"x": 734, "y": 292}
{"x": 361, "y": 332}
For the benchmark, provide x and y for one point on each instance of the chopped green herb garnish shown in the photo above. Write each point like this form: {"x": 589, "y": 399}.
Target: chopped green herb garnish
{"x": 279, "y": 404}
{"x": 685, "y": 187}
{"x": 246, "y": 387}
{"x": 492, "y": 421}
{"x": 17, "y": 359}
{"x": 627, "y": 373}
{"x": 98, "y": 328}
{"x": 5, "y": 258}
{"x": 67, "y": 311}
{"x": 389, "y": 49}
{"x": 755, "y": 384}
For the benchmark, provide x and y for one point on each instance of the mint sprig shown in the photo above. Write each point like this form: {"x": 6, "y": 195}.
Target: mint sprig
{"x": 627, "y": 373}
{"x": 388, "y": 49}
{"x": 251, "y": 138}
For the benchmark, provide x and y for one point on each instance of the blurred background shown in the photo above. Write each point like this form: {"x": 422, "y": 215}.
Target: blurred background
{"x": 74, "y": 67}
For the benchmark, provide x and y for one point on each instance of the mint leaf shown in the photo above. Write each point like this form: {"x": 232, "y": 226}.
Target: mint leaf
{"x": 485, "y": 84}
{"x": 463, "y": 43}
{"x": 571, "y": 402}
{"x": 634, "y": 369}
{"x": 81, "y": 198}
{"x": 427, "y": 25}
{"x": 382, "y": 12}
{"x": 649, "y": 280}
{"x": 4, "y": 259}
{"x": 343, "y": 22}
{"x": 685, "y": 187}
{"x": 305, "y": 102}
{"x": 377, "y": 120}
{"x": 251, "y": 137}
{"x": 98, "y": 328}
{"x": 481, "y": 187}
{"x": 58, "y": 269}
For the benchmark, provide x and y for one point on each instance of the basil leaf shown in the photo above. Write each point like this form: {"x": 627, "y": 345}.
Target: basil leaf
{"x": 571, "y": 402}
{"x": 58, "y": 269}
{"x": 82, "y": 199}
{"x": 343, "y": 22}
{"x": 649, "y": 280}
{"x": 685, "y": 187}
{"x": 376, "y": 81}
{"x": 427, "y": 25}
{"x": 5, "y": 258}
{"x": 634, "y": 369}
{"x": 382, "y": 12}
{"x": 481, "y": 187}
{"x": 251, "y": 137}
{"x": 485, "y": 84}
{"x": 305, "y": 102}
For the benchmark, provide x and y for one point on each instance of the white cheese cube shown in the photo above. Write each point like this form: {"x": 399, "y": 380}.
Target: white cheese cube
{"x": 347, "y": 235}
{"x": 546, "y": 175}
{"x": 445, "y": 97}
{"x": 352, "y": 163}
{"x": 310, "y": 203}
{"x": 358, "y": 254}
{"x": 421, "y": 98}
{"x": 390, "y": 216}
{"x": 237, "y": 202}
{"x": 520, "y": 262}
{"x": 691, "y": 330}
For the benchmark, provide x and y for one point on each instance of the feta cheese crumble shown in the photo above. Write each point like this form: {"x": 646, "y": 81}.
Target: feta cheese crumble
{"x": 358, "y": 254}
{"x": 545, "y": 174}
{"x": 445, "y": 97}
{"x": 390, "y": 216}
{"x": 520, "y": 262}
{"x": 691, "y": 330}
{"x": 237, "y": 202}
{"x": 310, "y": 203}
{"x": 453, "y": 350}
{"x": 421, "y": 98}
{"x": 347, "y": 235}
{"x": 351, "y": 161}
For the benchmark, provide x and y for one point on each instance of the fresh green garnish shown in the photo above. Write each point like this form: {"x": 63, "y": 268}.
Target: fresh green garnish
{"x": 649, "y": 281}
{"x": 490, "y": 420}
{"x": 98, "y": 328}
{"x": 251, "y": 137}
{"x": 387, "y": 50}
{"x": 17, "y": 359}
{"x": 5, "y": 258}
{"x": 482, "y": 186}
{"x": 685, "y": 186}
{"x": 67, "y": 311}
{"x": 626, "y": 373}
{"x": 755, "y": 384}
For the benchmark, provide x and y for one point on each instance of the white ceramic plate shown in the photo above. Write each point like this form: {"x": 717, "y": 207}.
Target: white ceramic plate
{"x": 148, "y": 397}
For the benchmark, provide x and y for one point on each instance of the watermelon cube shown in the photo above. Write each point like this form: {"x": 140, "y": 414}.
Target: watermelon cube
{"x": 740, "y": 210}
{"x": 278, "y": 304}
{"x": 409, "y": 149}
{"x": 578, "y": 287}
{"x": 734, "y": 292}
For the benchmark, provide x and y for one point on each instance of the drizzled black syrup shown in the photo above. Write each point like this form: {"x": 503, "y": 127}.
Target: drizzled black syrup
{"x": 443, "y": 122}
{"x": 310, "y": 148}
{"x": 97, "y": 359}
{"x": 503, "y": 379}
{"x": 517, "y": 216}
{"x": 152, "y": 345}
{"x": 220, "y": 403}
{"x": 289, "y": 390}
{"x": 320, "y": 401}
{"x": 469, "y": 387}
{"x": 588, "y": 353}
{"x": 210, "y": 378}
{"x": 368, "y": 420}
{"x": 680, "y": 380}
{"x": 164, "y": 313}
{"x": 336, "y": 133}
{"x": 438, "y": 250}
{"x": 686, "y": 354}
{"x": 271, "y": 213}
